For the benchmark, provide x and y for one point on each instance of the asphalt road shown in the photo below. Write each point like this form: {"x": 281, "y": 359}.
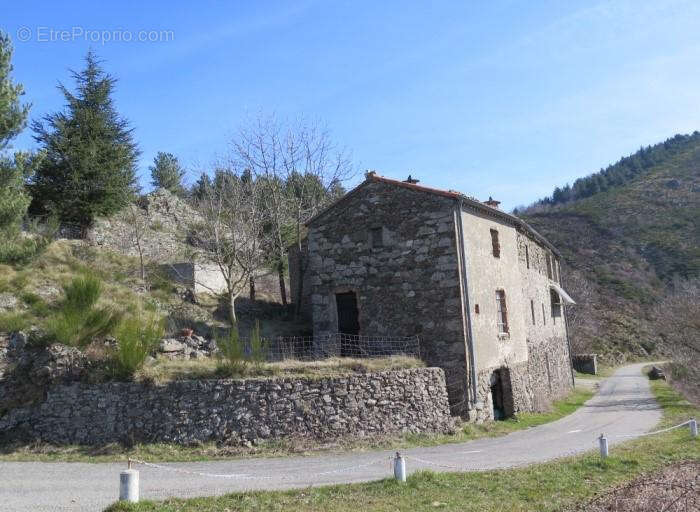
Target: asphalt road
{"x": 624, "y": 406}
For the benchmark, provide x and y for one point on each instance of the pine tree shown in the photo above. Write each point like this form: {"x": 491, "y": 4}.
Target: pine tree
{"x": 13, "y": 116}
{"x": 167, "y": 173}
{"x": 90, "y": 162}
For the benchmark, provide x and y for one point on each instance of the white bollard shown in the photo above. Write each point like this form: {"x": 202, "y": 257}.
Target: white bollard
{"x": 693, "y": 427}
{"x": 603, "y": 446}
{"x": 399, "y": 468}
{"x": 129, "y": 485}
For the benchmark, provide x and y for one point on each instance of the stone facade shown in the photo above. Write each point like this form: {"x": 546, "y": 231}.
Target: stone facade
{"x": 432, "y": 263}
{"x": 237, "y": 411}
{"x": 406, "y": 280}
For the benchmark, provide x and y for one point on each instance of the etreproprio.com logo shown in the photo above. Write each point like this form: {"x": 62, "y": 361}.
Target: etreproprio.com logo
{"x": 42, "y": 34}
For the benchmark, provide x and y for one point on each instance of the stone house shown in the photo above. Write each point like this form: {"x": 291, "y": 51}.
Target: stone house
{"x": 479, "y": 286}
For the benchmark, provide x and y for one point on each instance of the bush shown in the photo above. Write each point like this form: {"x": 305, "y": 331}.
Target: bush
{"x": 237, "y": 354}
{"x": 82, "y": 293}
{"x": 13, "y": 322}
{"x": 78, "y": 321}
{"x": 137, "y": 336}
{"x": 258, "y": 346}
{"x": 21, "y": 250}
{"x": 232, "y": 351}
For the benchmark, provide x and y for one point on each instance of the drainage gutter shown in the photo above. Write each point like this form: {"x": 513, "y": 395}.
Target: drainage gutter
{"x": 465, "y": 299}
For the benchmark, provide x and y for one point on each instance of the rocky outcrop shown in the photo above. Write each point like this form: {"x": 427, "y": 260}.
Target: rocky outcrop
{"x": 237, "y": 411}
{"x": 166, "y": 221}
{"x": 28, "y": 371}
{"x": 192, "y": 347}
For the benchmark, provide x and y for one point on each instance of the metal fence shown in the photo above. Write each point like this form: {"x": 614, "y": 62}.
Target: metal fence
{"x": 308, "y": 348}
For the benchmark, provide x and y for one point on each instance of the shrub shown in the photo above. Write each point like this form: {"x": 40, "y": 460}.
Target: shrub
{"x": 137, "y": 336}
{"x": 232, "y": 351}
{"x": 21, "y": 250}
{"x": 78, "y": 321}
{"x": 78, "y": 328}
{"x": 82, "y": 292}
{"x": 258, "y": 346}
{"x": 13, "y": 322}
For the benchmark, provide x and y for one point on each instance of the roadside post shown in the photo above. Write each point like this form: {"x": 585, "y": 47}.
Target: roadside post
{"x": 693, "y": 427}
{"x": 129, "y": 485}
{"x": 603, "y": 441}
{"x": 399, "y": 468}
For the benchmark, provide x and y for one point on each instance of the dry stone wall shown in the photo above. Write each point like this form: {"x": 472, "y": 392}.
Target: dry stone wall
{"x": 237, "y": 411}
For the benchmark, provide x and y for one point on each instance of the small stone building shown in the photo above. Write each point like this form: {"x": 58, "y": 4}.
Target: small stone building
{"x": 480, "y": 287}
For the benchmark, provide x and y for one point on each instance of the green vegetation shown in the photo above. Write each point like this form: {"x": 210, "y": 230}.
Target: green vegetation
{"x": 553, "y": 486}
{"x": 90, "y": 157}
{"x": 165, "y": 370}
{"x": 78, "y": 320}
{"x": 137, "y": 337}
{"x": 12, "y": 322}
{"x": 167, "y": 173}
{"x": 625, "y": 246}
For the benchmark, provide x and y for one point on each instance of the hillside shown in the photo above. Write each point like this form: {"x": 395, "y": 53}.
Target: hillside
{"x": 625, "y": 248}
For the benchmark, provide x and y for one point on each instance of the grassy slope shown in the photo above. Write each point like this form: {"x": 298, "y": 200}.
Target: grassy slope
{"x": 546, "y": 487}
{"x": 629, "y": 242}
{"x": 210, "y": 451}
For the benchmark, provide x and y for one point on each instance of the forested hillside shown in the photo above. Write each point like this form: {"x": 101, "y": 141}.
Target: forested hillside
{"x": 630, "y": 238}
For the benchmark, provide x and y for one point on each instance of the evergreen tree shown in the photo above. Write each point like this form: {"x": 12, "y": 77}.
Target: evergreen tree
{"x": 167, "y": 173}
{"x": 90, "y": 156}
{"x": 199, "y": 189}
{"x": 13, "y": 117}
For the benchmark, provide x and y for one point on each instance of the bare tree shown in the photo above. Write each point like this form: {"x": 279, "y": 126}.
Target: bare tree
{"x": 677, "y": 321}
{"x": 299, "y": 170}
{"x": 137, "y": 226}
{"x": 231, "y": 234}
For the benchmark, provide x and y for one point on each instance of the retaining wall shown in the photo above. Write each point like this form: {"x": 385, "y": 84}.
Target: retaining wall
{"x": 237, "y": 411}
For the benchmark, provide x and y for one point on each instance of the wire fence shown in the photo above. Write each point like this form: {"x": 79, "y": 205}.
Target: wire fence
{"x": 309, "y": 348}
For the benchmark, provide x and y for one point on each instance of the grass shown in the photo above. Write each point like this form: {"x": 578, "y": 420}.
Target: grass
{"x": 166, "y": 370}
{"x": 210, "y": 451}
{"x": 553, "y": 486}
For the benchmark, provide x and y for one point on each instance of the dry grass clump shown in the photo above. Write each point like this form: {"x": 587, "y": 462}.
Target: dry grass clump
{"x": 672, "y": 489}
{"x": 165, "y": 370}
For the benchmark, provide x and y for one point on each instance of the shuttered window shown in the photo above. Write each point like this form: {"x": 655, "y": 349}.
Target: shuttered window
{"x": 495, "y": 245}
{"x": 502, "y": 312}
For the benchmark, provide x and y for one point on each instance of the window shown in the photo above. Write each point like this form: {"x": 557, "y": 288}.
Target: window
{"x": 527, "y": 257}
{"x": 532, "y": 310}
{"x": 544, "y": 317}
{"x": 377, "y": 237}
{"x": 476, "y": 309}
{"x": 495, "y": 246}
{"x": 556, "y": 303}
{"x": 502, "y": 312}
{"x": 549, "y": 265}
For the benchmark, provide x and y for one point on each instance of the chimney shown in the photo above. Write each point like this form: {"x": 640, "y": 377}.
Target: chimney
{"x": 492, "y": 202}
{"x": 411, "y": 180}
{"x": 370, "y": 174}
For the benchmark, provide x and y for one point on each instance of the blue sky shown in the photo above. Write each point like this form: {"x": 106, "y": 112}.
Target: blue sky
{"x": 506, "y": 99}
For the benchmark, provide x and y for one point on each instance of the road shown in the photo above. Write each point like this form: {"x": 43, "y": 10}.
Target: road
{"x": 624, "y": 406}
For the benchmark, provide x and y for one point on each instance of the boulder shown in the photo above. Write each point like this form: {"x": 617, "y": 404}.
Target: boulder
{"x": 18, "y": 341}
{"x": 170, "y": 345}
{"x": 8, "y": 302}
{"x": 656, "y": 373}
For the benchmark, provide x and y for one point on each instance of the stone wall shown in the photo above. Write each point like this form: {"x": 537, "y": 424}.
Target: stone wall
{"x": 406, "y": 280}
{"x": 529, "y": 386}
{"x": 237, "y": 411}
